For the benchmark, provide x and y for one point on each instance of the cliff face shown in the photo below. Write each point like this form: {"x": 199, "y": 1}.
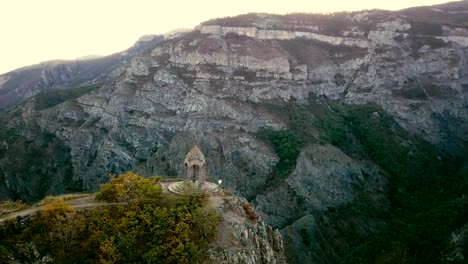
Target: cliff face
{"x": 455, "y": 252}
{"x": 241, "y": 239}
{"x": 221, "y": 84}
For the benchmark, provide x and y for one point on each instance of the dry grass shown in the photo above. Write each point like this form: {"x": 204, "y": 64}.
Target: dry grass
{"x": 64, "y": 197}
{"x": 7, "y": 207}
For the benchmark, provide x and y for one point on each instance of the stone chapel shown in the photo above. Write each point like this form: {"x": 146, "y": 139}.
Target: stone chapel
{"x": 195, "y": 166}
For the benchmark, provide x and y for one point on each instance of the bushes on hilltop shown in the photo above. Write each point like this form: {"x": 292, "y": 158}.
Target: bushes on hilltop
{"x": 145, "y": 226}
{"x": 130, "y": 187}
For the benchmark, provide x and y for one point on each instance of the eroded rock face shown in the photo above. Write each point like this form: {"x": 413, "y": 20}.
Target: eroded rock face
{"x": 242, "y": 240}
{"x": 456, "y": 246}
{"x": 324, "y": 178}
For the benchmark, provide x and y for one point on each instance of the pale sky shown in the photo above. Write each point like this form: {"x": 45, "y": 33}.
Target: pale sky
{"x": 33, "y": 31}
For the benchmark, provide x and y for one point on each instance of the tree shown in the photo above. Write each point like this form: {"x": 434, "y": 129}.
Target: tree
{"x": 130, "y": 187}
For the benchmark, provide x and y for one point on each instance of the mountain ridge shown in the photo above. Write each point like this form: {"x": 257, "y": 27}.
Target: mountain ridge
{"x": 22, "y": 83}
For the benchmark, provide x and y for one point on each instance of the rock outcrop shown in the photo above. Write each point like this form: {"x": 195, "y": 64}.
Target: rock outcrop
{"x": 243, "y": 240}
{"x": 457, "y": 246}
{"x": 281, "y": 35}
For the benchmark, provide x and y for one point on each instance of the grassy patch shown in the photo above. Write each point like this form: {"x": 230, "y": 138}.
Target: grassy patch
{"x": 7, "y": 207}
{"x": 65, "y": 197}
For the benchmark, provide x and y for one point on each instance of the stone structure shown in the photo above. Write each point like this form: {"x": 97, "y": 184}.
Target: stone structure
{"x": 195, "y": 166}
{"x": 194, "y": 177}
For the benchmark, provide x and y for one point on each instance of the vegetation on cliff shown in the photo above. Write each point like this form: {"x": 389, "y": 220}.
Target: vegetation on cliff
{"x": 141, "y": 225}
{"x": 426, "y": 200}
{"x": 43, "y": 155}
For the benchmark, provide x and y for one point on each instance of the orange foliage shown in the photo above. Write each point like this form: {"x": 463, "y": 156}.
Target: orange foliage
{"x": 250, "y": 211}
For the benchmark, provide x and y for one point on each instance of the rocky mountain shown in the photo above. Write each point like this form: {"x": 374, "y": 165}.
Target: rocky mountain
{"x": 345, "y": 131}
{"x": 21, "y": 84}
{"x": 243, "y": 238}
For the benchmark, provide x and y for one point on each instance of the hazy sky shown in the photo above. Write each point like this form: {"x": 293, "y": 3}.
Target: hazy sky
{"x": 38, "y": 30}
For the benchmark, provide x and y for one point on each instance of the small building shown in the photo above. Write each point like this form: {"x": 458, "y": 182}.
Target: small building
{"x": 195, "y": 166}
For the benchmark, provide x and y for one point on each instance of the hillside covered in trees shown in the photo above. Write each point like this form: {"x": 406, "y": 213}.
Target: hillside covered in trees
{"x": 140, "y": 224}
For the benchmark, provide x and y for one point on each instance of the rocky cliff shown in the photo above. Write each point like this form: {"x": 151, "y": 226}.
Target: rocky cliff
{"x": 354, "y": 100}
{"x": 243, "y": 238}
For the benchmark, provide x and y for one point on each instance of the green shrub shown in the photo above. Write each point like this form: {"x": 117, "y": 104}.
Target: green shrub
{"x": 130, "y": 187}
{"x": 287, "y": 146}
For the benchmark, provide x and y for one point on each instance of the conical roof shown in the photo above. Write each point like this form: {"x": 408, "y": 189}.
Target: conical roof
{"x": 195, "y": 153}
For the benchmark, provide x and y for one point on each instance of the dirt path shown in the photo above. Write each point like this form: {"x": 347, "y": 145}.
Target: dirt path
{"x": 78, "y": 203}
{"x": 90, "y": 201}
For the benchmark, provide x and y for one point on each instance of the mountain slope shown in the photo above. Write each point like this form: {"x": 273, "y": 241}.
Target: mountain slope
{"x": 21, "y": 84}
{"x": 341, "y": 129}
